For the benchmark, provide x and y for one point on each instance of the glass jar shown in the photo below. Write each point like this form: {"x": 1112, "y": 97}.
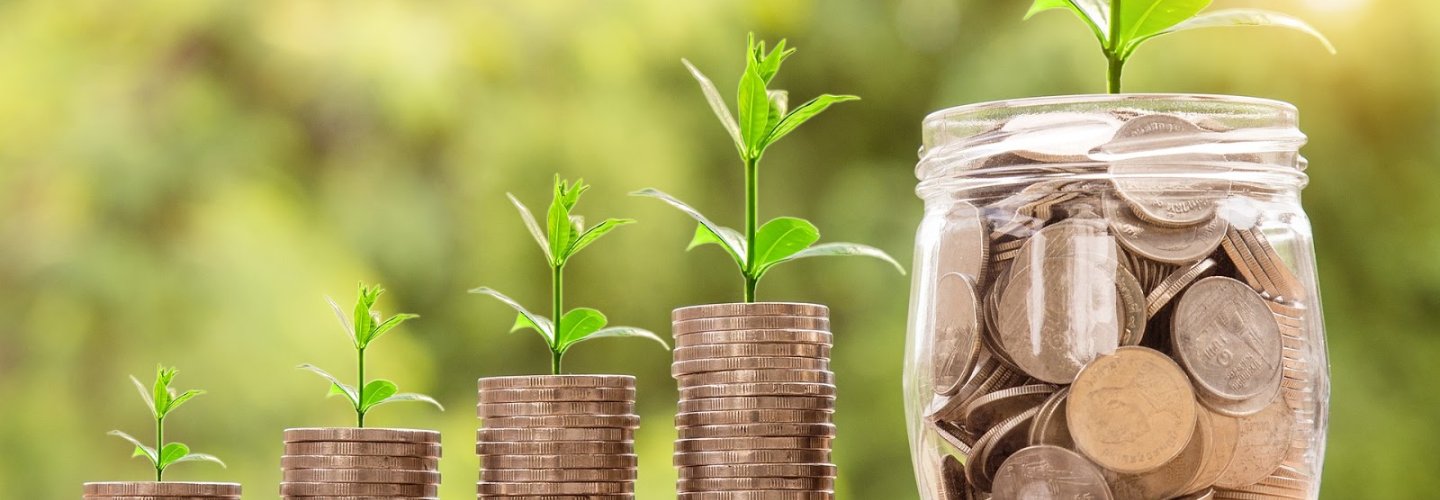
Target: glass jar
{"x": 1114, "y": 297}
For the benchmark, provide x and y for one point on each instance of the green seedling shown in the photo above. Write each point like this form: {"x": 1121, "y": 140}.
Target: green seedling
{"x": 764, "y": 119}
{"x": 564, "y": 236}
{"x": 162, "y": 400}
{"x": 368, "y": 326}
{"x": 1122, "y": 25}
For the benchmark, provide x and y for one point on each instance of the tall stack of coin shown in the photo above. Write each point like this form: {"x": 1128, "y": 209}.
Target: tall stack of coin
{"x": 756, "y": 401}
{"x": 557, "y": 436}
{"x": 349, "y": 462}
{"x": 158, "y": 490}
{"x": 1126, "y": 324}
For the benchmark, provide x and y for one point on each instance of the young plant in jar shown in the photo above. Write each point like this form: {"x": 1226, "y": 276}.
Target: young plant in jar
{"x": 546, "y": 421}
{"x": 162, "y": 400}
{"x": 360, "y": 460}
{"x": 1117, "y": 289}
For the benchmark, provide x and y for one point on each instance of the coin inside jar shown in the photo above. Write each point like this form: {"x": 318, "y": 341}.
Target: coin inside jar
{"x": 1173, "y": 245}
{"x": 1131, "y": 411}
{"x": 1227, "y": 339}
{"x": 1049, "y": 472}
{"x": 957, "y": 326}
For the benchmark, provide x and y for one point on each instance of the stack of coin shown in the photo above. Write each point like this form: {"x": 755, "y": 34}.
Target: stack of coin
{"x": 756, "y": 401}
{"x": 1135, "y": 332}
{"x": 161, "y": 491}
{"x": 557, "y": 436}
{"x": 349, "y": 462}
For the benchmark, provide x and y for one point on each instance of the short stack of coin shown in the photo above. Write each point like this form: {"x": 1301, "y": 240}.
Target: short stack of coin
{"x": 161, "y": 491}
{"x": 360, "y": 462}
{"x": 756, "y": 401}
{"x": 557, "y": 436}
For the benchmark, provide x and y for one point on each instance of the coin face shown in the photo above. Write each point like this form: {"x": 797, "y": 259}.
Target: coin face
{"x": 1227, "y": 339}
{"x": 1263, "y": 439}
{"x": 1131, "y": 411}
{"x": 1049, "y": 472}
{"x": 1174, "y": 245}
{"x": 957, "y": 328}
{"x": 1061, "y": 307}
{"x": 1174, "y": 476}
{"x": 1058, "y": 137}
{"x": 964, "y": 246}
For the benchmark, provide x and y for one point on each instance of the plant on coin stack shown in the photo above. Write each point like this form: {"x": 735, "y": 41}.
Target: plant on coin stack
{"x": 162, "y": 400}
{"x": 564, "y": 236}
{"x": 1122, "y": 26}
{"x": 764, "y": 118}
{"x": 367, "y": 327}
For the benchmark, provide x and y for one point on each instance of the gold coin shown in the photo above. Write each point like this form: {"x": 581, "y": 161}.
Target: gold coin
{"x": 757, "y": 389}
{"x": 753, "y": 376}
{"x": 1174, "y": 476}
{"x": 555, "y": 408}
{"x": 367, "y": 434}
{"x": 756, "y": 483}
{"x": 361, "y": 476}
{"x": 773, "y": 350}
{"x": 756, "y": 430}
{"x": 557, "y": 475}
{"x": 753, "y": 417}
{"x": 758, "y": 470}
{"x": 749, "y": 323}
{"x": 1263, "y": 439}
{"x": 791, "y": 456}
{"x": 731, "y": 364}
{"x": 1224, "y": 433}
{"x": 557, "y": 488}
{"x": 551, "y": 381}
{"x": 358, "y": 462}
{"x": 751, "y": 443}
{"x": 558, "y": 461}
{"x": 165, "y": 489}
{"x": 1131, "y": 411}
{"x": 756, "y": 336}
{"x": 549, "y": 421}
{"x": 554, "y": 447}
{"x": 357, "y": 489}
{"x": 749, "y": 309}
{"x": 363, "y": 448}
{"x": 557, "y": 394}
{"x": 492, "y": 434}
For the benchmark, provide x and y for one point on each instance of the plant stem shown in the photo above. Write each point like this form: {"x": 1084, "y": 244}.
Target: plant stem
{"x": 1117, "y": 66}
{"x": 159, "y": 445}
{"x": 752, "y": 207}
{"x": 557, "y": 309}
{"x": 1112, "y": 53}
{"x": 359, "y": 412}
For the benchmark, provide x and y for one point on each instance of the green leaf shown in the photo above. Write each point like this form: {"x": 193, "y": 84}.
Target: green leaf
{"x": 376, "y": 391}
{"x": 729, "y": 239}
{"x": 533, "y": 226}
{"x": 754, "y": 106}
{"x": 336, "y": 386}
{"x": 171, "y": 453}
{"x": 839, "y": 250}
{"x": 161, "y": 390}
{"x": 1246, "y": 17}
{"x": 622, "y": 331}
{"x": 594, "y": 233}
{"x": 364, "y": 321}
{"x": 390, "y": 324}
{"x": 1141, "y": 19}
{"x": 578, "y": 323}
{"x": 558, "y": 223}
{"x": 1094, "y": 13}
{"x": 717, "y": 105}
{"x": 181, "y": 399}
{"x": 140, "y": 449}
{"x": 769, "y": 64}
{"x": 804, "y": 113}
{"x": 145, "y": 394}
{"x": 541, "y": 324}
{"x": 782, "y": 237}
{"x": 200, "y": 457}
{"x": 704, "y": 236}
{"x": 344, "y": 322}
{"x": 410, "y": 396}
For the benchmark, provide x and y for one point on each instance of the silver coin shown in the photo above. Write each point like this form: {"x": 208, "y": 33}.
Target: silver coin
{"x": 1042, "y": 472}
{"x": 1227, "y": 339}
{"x": 957, "y": 326}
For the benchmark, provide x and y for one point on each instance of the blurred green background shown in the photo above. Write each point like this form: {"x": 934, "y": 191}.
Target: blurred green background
{"x": 184, "y": 181}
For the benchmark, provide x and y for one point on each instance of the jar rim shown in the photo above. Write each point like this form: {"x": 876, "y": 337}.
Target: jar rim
{"x": 1282, "y": 108}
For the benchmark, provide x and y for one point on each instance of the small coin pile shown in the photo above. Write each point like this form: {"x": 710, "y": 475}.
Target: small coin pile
{"x": 756, "y": 401}
{"x": 557, "y": 436}
{"x": 349, "y": 462}
{"x": 161, "y": 491}
{"x": 1126, "y": 329}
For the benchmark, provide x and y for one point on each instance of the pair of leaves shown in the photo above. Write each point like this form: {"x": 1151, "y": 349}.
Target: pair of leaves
{"x": 782, "y": 239}
{"x": 375, "y": 393}
{"x": 368, "y": 324}
{"x": 160, "y": 398}
{"x": 764, "y": 114}
{"x": 577, "y": 325}
{"x": 1141, "y": 20}
{"x": 169, "y": 454}
{"x": 565, "y": 234}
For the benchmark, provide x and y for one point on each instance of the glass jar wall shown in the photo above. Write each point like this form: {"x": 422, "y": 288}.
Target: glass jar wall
{"x": 1114, "y": 297}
